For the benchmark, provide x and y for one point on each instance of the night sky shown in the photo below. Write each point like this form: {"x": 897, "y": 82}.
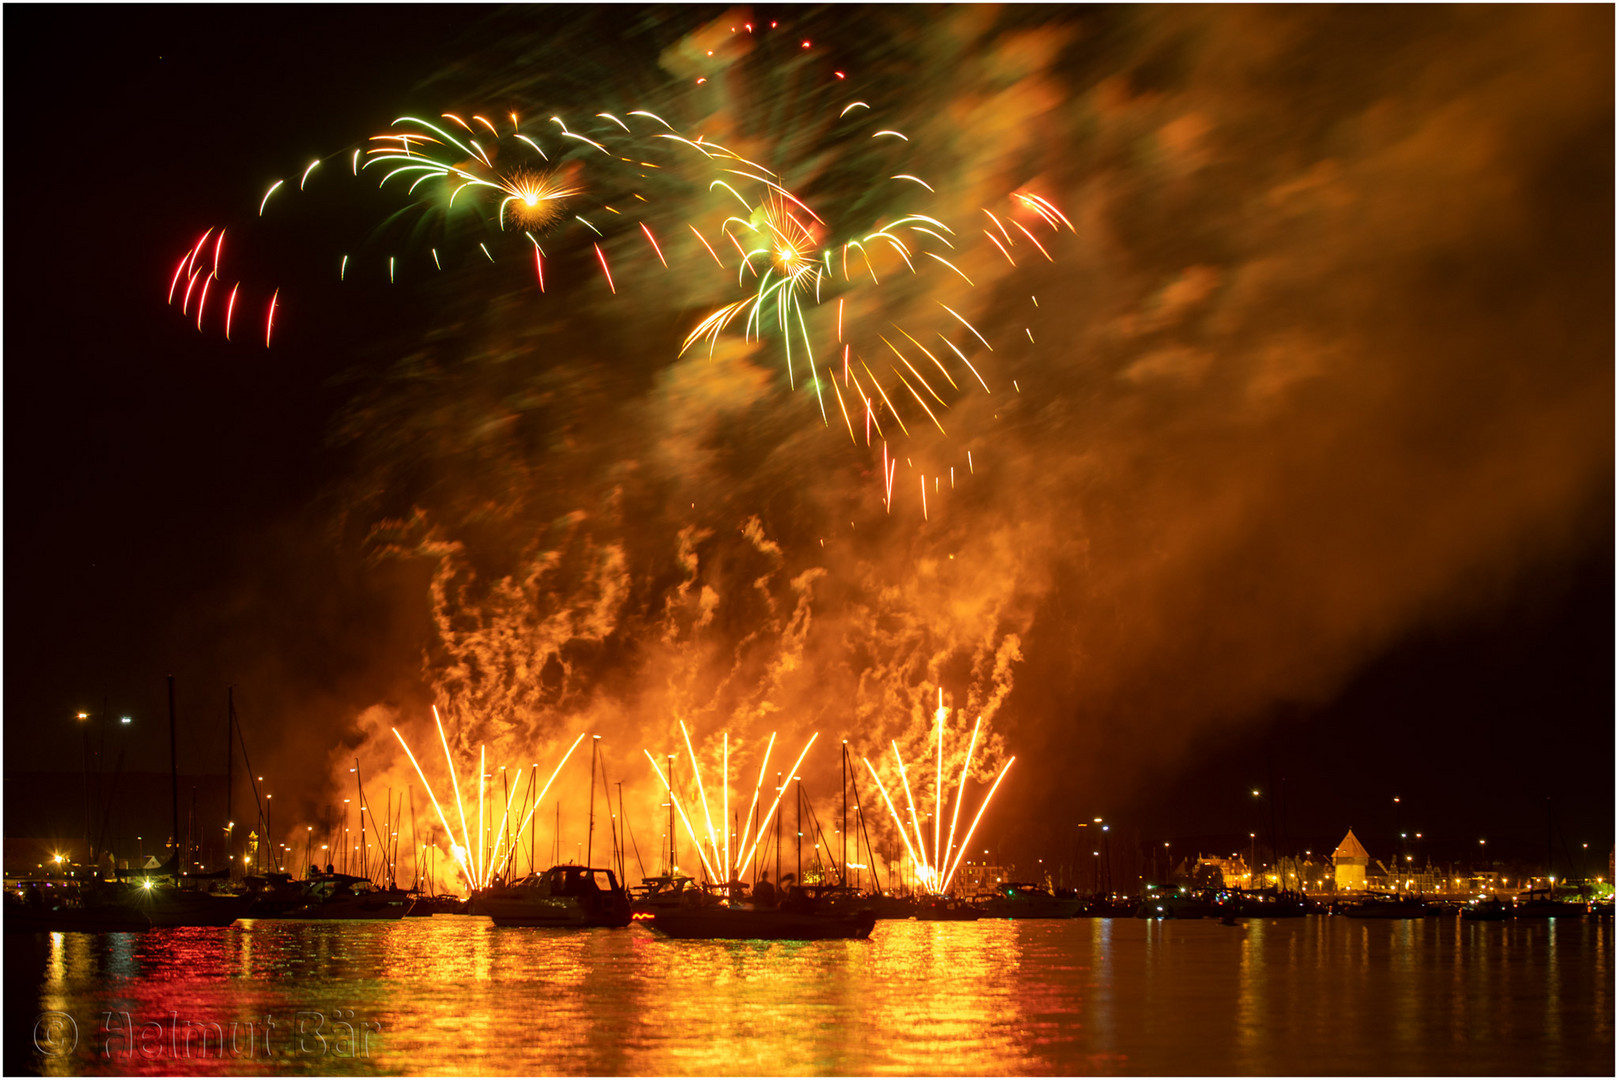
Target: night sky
{"x": 1305, "y": 482}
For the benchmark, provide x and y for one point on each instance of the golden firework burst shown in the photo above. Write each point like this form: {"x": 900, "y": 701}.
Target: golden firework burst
{"x": 533, "y": 200}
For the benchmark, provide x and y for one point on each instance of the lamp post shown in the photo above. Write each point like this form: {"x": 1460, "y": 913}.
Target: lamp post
{"x": 1396, "y": 829}
{"x": 84, "y": 731}
{"x": 1258, "y": 807}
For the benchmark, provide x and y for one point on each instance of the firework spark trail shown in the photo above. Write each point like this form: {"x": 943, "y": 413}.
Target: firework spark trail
{"x": 765, "y": 824}
{"x": 701, "y": 795}
{"x": 511, "y": 851}
{"x": 757, "y": 787}
{"x": 454, "y": 847}
{"x": 966, "y": 843}
{"x": 938, "y": 782}
{"x": 960, "y": 788}
{"x": 692, "y": 833}
{"x": 889, "y": 800}
{"x": 482, "y": 775}
{"x": 450, "y": 762}
{"x": 924, "y": 867}
{"x": 790, "y": 262}
{"x": 500, "y": 832}
{"x": 934, "y": 869}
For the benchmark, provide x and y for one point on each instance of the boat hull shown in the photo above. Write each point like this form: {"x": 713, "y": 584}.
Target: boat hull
{"x": 570, "y": 897}
{"x": 752, "y": 924}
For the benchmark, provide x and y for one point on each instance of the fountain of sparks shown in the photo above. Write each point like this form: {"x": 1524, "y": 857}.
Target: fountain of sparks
{"x": 728, "y": 864}
{"x": 481, "y": 864}
{"x": 935, "y": 868}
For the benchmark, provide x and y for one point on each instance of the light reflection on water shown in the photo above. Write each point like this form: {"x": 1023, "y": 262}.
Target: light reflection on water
{"x": 458, "y": 995}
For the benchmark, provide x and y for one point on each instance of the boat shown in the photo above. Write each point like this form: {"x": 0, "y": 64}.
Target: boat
{"x": 1178, "y": 904}
{"x": 1488, "y": 909}
{"x": 1102, "y": 906}
{"x": 569, "y": 896}
{"x": 805, "y": 915}
{"x": 947, "y": 909}
{"x": 52, "y": 906}
{"x": 344, "y": 896}
{"x": 273, "y": 895}
{"x": 426, "y": 906}
{"x": 165, "y": 904}
{"x": 1389, "y": 906}
{"x": 1266, "y": 904}
{"x": 891, "y": 907}
{"x": 1543, "y": 904}
{"x": 657, "y": 893}
{"x": 1025, "y": 900}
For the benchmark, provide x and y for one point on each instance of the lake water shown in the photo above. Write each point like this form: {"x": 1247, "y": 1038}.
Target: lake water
{"x": 458, "y": 995}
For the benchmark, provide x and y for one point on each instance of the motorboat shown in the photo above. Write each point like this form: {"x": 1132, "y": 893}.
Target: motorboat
{"x": 1389, "y": 906}
{"x": 1266, "y": 904}
{"x": 50, "y": 906}
{"x": 570, "y": 896}
{"x": 804, "y": 915}
{"x": 1488, "y": 909}
{"x": 165, "y": 904}
{"x": 891, "y": 907}
{"x": 946, "y": 909}
{"x": 1102, "y": 906}
{"x": 1544, "y": 904}
{"x": 1025, "y": 900}
{"x": 344, "y": 896}
{"x": 1178, "y": 904}
{"x": 657, "y": 893}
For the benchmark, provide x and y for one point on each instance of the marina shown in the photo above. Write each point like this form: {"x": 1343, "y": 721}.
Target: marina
{"x": 843, "y": 540}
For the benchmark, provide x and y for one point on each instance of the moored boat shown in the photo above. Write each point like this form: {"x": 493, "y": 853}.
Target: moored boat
{"x": 1266, "y": 904}
{"x": 658, "y": 893}
{"x": 1104, "y": 906}
{"x": 344, "y": 896}
{"x": 1389, "y": 906}
{"x": 566, "y": 896}
{"x": 1178, "y": 904}
{"x": 1545, "y": 904}
{"x": 1025, "y": 900}
{"x": 51, "y": 906}
{"x": 947, "y": 909}
{"x": 805, "y": 915}
{"x": 1489, "y": 909}
{"x": 891, "y": 907}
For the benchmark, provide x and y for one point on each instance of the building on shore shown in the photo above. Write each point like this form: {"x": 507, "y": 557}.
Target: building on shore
{"x": 1349, "y": 863}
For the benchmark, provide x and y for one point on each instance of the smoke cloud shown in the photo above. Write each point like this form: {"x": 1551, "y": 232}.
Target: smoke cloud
{"x": 1326, "y": 357}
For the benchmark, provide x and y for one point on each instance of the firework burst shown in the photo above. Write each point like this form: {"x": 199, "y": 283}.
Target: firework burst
{"x": 936, "y": 865}
{"x": 479, "y": 861}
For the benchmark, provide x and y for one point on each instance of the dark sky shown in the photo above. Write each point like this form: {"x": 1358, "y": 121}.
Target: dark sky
{"x": 1307, "y": 485}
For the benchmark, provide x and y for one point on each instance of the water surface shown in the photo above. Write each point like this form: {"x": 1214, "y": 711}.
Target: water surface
{"x": 459, "y": 995}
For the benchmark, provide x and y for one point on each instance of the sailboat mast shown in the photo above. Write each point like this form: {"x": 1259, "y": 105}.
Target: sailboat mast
{"x": 590, "y": 830}
{"x": 230, "y": 776}
{"x": 842, "y": 875}
{"x": 174, "y": 779}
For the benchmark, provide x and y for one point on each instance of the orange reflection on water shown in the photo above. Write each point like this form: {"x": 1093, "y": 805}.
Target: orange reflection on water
{"x": 456, "y": 995}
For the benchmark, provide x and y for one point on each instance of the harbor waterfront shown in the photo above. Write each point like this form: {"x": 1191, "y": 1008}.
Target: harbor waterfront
{"x": 458, "y": 995}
